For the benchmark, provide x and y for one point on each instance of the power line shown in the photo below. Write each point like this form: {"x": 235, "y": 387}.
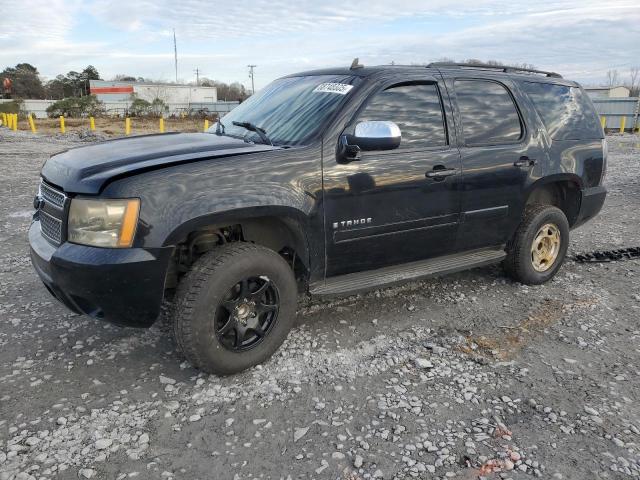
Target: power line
{"x": 253, "y": 88}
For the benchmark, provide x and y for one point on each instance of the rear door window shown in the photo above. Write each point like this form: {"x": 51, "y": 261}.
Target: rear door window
{"x": 566, "y": 111}
{"x": 415, "y": 108}
{"x": 488, "y": 113}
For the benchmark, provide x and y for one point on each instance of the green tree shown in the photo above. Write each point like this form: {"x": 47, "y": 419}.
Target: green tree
{"x": 55, "y": 89}
{"x": 73, "y": 84}
{"x": 123, "y": 78}
{"x": 76, "y": 107}
{"x": 25, "y": 81}
{"x": 139, "y": 106}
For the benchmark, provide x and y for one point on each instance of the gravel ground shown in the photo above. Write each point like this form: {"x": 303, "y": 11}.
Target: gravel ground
{"x": 465, "y": 376}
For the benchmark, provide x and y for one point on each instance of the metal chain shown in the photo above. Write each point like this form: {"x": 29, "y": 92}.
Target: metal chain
{"x": 598, "y": 256}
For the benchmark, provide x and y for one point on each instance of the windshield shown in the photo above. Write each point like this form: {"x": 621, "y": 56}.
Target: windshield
{"x": 289, "y": 110}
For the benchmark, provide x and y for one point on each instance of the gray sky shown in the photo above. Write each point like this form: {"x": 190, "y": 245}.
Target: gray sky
{"x": 580, "y": 39}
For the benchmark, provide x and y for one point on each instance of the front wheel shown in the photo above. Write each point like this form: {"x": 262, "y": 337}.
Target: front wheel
{"x": 538, "y": 248}
{"x": 234, "y": 308}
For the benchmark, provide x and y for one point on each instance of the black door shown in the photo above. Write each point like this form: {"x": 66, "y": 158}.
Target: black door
{"x": 500, "y": 157}
{"x": 389, "y": 207}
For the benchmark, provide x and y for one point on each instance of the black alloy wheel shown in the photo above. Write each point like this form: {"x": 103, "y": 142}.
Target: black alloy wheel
{"x": 234, "y": 308}
{"x": 247, "y": 314}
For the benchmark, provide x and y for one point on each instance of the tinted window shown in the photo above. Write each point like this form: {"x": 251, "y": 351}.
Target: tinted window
{"x": 488, "y": 113}
{"x": 291, "y": 110}
{"x": 566, "y": 111}
{"x": 416, "y": 109}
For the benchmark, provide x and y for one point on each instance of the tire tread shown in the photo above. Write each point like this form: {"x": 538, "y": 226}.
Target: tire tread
{"x": 189, "y": 290}
{"x": 514, "y": 264}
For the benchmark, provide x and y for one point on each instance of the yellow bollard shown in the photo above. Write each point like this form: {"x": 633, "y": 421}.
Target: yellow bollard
{"x": 62, "y": 129}
{"x": 603, "y": 122}
{"x": 9, "y": 118}
{"x": 15, "y": 122}
{"x": 4, "y": 119}
{"x": 206, "y": 124}
{"x": 127, "y": 126}
{"x": 92, "y": 124}
{"x": 32, "y": 124}
{"x": 623, "y": 121}
{"x": 161, "y": 125}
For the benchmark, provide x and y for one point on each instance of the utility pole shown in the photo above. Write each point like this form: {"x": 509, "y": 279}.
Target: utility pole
{"x": 253, "y": 88}
{"x": 197, "y": 72}
{"x": 175, "y": 53}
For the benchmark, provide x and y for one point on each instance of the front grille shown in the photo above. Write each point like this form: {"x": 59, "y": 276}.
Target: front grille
{"x": 51, "y": 227}
{"x": 51, "y": 213}
{"x": 49, "y": 194}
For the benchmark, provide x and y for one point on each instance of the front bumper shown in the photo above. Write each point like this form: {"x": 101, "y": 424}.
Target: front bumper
{"x": 122, "y": 286}
{"x": 591, "y": 204}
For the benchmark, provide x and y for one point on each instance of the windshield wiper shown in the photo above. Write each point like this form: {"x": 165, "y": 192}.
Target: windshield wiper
{"x": 254, "y": 128}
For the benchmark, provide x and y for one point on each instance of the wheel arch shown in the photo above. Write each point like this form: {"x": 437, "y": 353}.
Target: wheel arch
{"x": 281, "y": 229}
{"x": 561, "y": 190}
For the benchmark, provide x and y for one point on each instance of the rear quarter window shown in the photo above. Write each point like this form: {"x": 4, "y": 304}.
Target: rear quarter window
{"x": 488, "y": 113}
{"x": 566, "y": 112}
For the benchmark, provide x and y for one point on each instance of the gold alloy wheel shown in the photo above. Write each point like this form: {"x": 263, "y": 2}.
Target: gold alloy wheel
{"x": 545, "y": 247}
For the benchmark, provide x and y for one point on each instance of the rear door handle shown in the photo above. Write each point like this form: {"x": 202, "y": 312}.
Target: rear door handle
{"x": 441, "y": 173}
{"x": 525, "y": 161}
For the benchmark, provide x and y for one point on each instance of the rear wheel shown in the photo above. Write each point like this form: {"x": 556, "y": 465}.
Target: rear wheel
{"x": 234, "y": 308}
{"x": 539, "y": 246}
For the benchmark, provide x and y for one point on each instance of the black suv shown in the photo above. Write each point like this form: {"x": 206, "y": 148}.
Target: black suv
{"x": 331, "y": 182}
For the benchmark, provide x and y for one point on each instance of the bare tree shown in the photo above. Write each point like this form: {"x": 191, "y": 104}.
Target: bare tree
{"x": 634, "y": 76}
{"x": 498, "y": 63}
{"x": 526, "y": 66}
{"x": 613, "y": 78}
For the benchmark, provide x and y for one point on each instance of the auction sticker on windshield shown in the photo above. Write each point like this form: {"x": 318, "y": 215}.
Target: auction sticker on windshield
{"x": 339, "y": 88}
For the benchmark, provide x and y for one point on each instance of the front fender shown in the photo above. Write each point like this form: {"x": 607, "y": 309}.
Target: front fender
{"x": 225, "y": 206}
{"x": 177, "y": 200}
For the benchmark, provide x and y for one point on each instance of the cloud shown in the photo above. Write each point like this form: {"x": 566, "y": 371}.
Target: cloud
{"x": 45, "y": 20}
{"x": 581, "y": 38}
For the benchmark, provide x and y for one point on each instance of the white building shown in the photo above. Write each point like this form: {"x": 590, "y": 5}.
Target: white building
{"x": 121, "y": 91}
{"x": 608, "y": 92}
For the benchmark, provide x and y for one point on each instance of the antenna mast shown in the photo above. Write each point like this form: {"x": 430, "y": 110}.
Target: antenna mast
{"x": 175, "y": 53}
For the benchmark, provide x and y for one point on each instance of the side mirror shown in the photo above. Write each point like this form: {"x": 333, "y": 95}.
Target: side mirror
{"x": 368, "y": 136}
{"x": 376, "y": 135}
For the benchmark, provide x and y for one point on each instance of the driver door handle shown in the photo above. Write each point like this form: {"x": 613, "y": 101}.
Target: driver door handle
{"x": 441, "y": 173}
{"x": 524, "y": 161}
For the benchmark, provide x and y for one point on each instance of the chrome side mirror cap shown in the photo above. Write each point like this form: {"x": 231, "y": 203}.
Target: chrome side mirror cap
{"x": 376, "y": 135}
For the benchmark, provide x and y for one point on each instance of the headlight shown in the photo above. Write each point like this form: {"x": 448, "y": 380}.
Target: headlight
{"x": 103, "y": 223}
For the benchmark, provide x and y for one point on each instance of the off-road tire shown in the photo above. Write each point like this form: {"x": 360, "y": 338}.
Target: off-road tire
{"x": 202, "y": 290}
{"x": 519, "y": 264}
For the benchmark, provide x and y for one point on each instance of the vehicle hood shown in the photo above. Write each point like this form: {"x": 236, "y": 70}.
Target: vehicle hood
{"x": 87, "y": 169}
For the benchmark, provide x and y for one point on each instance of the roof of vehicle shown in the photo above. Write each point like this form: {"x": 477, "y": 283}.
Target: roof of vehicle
{"x": 445, "y": 68}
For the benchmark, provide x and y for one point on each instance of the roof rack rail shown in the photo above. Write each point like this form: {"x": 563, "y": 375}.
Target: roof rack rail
{"x": 503, "y": 68}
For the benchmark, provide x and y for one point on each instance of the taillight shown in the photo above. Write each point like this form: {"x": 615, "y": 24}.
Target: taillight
{"x": 605, "y": 154}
